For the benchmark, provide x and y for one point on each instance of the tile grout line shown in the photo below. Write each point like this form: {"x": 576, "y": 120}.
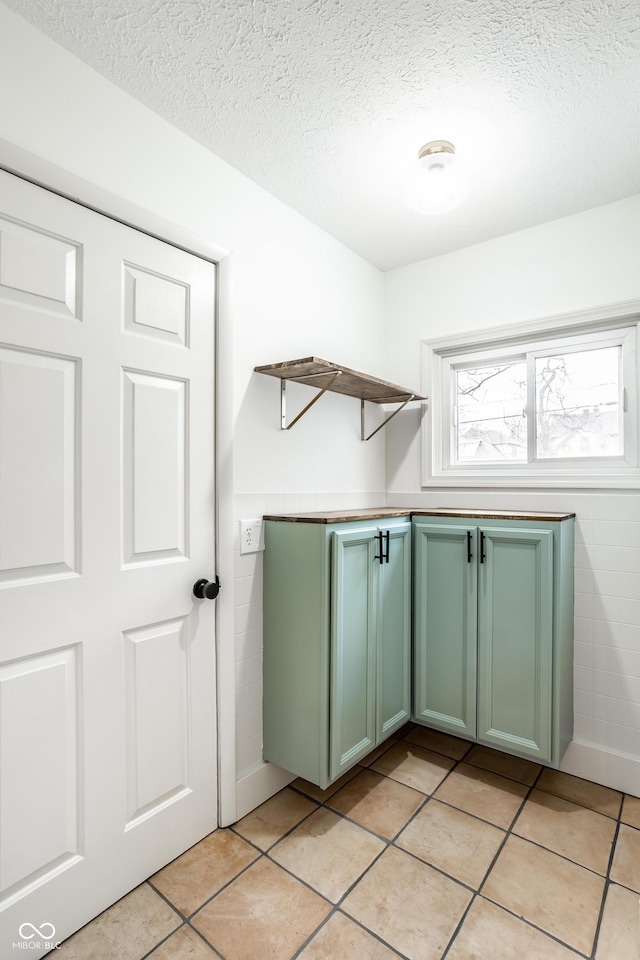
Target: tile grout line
{"x": 540, "y": 846}
{"x": 266, "y": 855}
{"x": 189, "y": 917}
{"x": 337, "y": 907}
{"x": 186, "y": 922}
{"x": 392, "y": 843}
{"x": 284, "y": 835}
{"x": 216, "y": 955}
{"x": 334, "y": 912}
{"x": 606, "y": 877}
{"x": 510, "y": 831}
{"x": 388, "y": 843}
{"x": 313, "y": 934}
{"x": 608, "y": 881}
{"x": 477, "y": 893}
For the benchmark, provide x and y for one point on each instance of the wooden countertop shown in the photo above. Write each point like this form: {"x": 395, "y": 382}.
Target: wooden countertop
{"x": 340, "y": 516}
{"x": 382, "y": 513}
{"x": 493, "y": 514}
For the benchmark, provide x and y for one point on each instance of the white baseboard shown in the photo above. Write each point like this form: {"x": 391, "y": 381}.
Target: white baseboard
{"x": 258, "y": 786}
{"x": 601, "y": 765}
{"x": 598, "y": 764}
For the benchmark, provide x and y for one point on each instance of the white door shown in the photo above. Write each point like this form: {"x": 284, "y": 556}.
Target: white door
{"x": 107, "y": 661}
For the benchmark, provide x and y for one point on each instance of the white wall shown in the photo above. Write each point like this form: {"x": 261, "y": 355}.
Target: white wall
{"x": 296, "y": 292}
{"x": 567, "y": 265}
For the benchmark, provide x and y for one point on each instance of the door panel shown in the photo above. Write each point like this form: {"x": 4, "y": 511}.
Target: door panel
{"x": 352, "y": 720}
{"x": 154, "y": 460}
{"x": 39, "y": 269}
{"x": 158, "y": 710}
{"x": 515, "y": 640}
{"x": 39, "y": 694}
{"x": 394, "y": 634}
{"x": 39, "y": 505}
{"x": 155, "y": 305}
{"x": 446, "y": 627}
{"x": 107, "y": 669}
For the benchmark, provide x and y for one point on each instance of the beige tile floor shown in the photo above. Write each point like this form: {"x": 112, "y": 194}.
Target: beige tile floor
{"x": 430, "y": 849}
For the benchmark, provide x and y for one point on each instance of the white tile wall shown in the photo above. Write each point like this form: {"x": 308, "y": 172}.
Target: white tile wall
{"x": 607, "y": 604}
{"x": 248, "y": 609}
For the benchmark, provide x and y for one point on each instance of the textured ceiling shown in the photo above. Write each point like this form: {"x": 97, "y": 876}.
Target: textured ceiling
{"x": 325, "y": 103}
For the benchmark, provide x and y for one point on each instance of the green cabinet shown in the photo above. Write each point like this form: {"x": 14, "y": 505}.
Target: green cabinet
{"x": 493, "y": 631}
{"x": 337, "y": 641}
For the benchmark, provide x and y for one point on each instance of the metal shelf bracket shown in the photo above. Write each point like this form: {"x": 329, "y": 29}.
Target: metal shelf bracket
{"x": 334, "y": 374}
{"x": 325, "y": 376}
{"x": 409, "y": 398}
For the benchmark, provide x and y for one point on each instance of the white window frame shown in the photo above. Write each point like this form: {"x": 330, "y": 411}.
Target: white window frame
{"x": 606, "y": 326}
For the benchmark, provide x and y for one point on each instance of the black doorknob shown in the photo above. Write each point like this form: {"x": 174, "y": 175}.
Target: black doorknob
{"x": 206, "y": 589}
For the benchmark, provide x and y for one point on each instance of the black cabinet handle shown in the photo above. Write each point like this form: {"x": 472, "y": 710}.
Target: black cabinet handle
{"x": 483, "y": 555}
{"x": 383, "y": 556}
{"x": 378, "y": 556}
{"x": 469, "y": 554}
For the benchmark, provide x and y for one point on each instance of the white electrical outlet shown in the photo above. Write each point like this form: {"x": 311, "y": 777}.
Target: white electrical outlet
{"x": 251, "y": 536}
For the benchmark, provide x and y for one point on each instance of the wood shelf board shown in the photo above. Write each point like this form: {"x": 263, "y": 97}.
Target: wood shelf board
{"x": 351, "y": 383}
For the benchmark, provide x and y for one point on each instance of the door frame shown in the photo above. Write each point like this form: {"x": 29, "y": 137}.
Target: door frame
{"x": 42, "y": 173}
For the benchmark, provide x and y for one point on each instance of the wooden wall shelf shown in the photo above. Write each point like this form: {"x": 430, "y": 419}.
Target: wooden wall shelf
{"x": 335, "y": 378}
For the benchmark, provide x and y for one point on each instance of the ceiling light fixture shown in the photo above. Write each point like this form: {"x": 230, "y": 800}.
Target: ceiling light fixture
{"x": 437, "y": 184}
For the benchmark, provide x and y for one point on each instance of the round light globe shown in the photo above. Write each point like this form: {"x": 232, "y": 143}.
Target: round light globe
{"x": 437, "y": 183}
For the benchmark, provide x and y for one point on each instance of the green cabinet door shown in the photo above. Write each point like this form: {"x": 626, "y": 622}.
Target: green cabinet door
{"x": 492, "y": 633}
{"x": 445, "y": 605}
{"x": 352, "y": 720}
{"x": 370, "y": 639}
{"x": 515, "y": 639}
{"x": 337, "y": 642}
{"x": 393, "y": 701}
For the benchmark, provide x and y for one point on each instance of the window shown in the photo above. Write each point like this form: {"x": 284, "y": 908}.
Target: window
{"x": 558, "y": 407}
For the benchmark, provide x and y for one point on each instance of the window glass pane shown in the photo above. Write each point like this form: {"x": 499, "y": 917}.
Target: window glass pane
{"x": 492, "y": 425}
{"x": 578, "y": 404}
